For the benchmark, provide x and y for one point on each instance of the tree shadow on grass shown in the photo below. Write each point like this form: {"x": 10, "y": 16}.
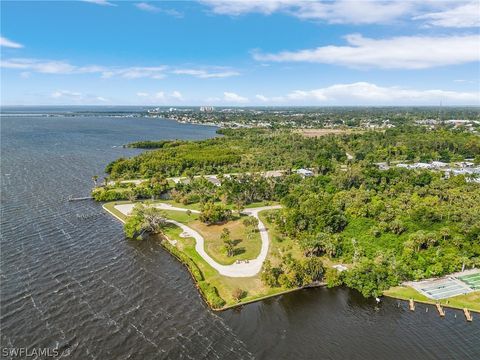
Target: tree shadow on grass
{"x": 238, "y": 251}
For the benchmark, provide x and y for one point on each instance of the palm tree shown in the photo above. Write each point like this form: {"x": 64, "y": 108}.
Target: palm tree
{"x": 131, "y": 196}
{"x": 230, "y": 247}
{"x": 228, "y": 243}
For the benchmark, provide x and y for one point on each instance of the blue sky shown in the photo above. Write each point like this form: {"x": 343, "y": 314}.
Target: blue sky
{"x": 217, "y": 52}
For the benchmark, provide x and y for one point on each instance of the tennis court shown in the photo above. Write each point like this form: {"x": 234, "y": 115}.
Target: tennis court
{"x": 472, "y": 280}
{"x": 442, "y": 288}
{"x": 455, "y": 284}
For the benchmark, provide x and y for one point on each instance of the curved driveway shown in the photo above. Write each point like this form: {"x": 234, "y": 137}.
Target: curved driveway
{"x": 243, "y": 269}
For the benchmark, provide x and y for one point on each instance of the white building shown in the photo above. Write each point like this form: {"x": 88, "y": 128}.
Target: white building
{"x": 422, "y": 166}
{"x": 382, "y": 166}
{"x": 439, "y": 164}
{"x": 465, "y": 164}
{"x": 206, "y": 108}
{"x": 304, "y": 172}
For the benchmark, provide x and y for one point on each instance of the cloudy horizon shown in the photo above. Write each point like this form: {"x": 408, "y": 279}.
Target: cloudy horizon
{"x": 241, "y": 53}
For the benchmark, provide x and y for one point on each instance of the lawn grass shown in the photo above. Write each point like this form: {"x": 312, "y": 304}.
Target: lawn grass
{"x": 252, "y": 286}
{"x": 196, "y": 206}
{"x": 279, "y": 245}
{"x": 248, "y": 243}
{"x": 180, "y": 216}
{"x": 110, "y": 206}
{"x": 470, "y": 301}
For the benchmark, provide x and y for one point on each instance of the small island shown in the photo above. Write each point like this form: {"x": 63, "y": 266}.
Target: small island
{"x": 259, "y": 212}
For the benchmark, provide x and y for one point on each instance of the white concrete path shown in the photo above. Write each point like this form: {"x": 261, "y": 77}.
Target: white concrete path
{"x": 126, "y": 209}
{"x": 243, "y": 269}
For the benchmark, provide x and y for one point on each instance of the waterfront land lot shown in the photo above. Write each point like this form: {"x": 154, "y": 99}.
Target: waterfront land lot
{"x": 457, "y": 290}
{"x": 470, "y": 301}
{"x": 205, "y": 275}
{"x": 442, "y": 288}
{"x": 247, "y": 241}
{"x": 448, "y": 286}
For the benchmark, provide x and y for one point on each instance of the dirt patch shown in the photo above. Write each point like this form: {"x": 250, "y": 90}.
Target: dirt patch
{"x": 324, "y": 132}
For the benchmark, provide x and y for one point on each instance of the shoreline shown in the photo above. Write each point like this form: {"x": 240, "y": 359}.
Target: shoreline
{"x": 185, "y": 122}
{"x": 431, "y": 302}
{"x": 282, "y": 292}
{"x": 165, "y": 245}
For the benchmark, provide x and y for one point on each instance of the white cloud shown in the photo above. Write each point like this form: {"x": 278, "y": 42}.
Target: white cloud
{"x": 463, "y": 81}
{"x": 231, "y": 97}
{"x": 75, "y": 97}
{"x": 262, "y": 97}
{"x": 177, "y": 95}
{"x": 204, "y": 74}
{"x": 462, "y": 16}
{"x": 354, "y": 11}
{"x": 161, "y": 96}
{"x": 100, "y": 2}
{"x": 132, "y": 72}
{"x": 404, "y": 52}
{"x": 232, "y": 7}
{"x": 136, "y": 72}
{"x": 9, "y": 43}
{"x": 340, "y": 11}
{"x": 364, "y": 93}
{"x": 147, "y": 7}
{"x": 66, "y": 93}
{"x": 155, "y": 9}
{"x": 457, "y": 13}
{"x": 47, "y": 66}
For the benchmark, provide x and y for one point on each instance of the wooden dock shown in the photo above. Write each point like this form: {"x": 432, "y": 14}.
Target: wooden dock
{"x": 440, "y": 310}
{"x": 468, "y": 315}
{"x": 412, "y": 305}
{"x": 71, "y": 198}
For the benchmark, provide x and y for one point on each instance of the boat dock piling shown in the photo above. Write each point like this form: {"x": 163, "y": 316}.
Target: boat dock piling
{"x": 468, "y": 315}
{"x": 440, "y": 310}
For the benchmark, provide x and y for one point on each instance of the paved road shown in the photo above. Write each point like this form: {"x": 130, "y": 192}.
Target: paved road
{"x": 249, "y": 269}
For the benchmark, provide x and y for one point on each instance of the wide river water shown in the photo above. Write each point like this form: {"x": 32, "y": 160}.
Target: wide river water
{"x": 69, "y": 279}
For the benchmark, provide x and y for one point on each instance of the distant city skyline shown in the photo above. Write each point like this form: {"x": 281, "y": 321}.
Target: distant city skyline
{"x": 240, "y": 53}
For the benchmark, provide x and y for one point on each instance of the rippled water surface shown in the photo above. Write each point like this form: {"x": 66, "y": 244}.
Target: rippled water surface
{"x": 70, "y": 280}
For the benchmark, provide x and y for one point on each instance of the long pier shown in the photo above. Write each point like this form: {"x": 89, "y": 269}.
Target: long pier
{"x": 71, "y": 198}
